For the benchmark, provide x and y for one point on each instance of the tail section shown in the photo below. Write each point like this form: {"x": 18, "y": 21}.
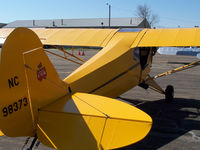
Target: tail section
{"x": 34, "y": 100}
{"x": 1, "y": 133}
{"x": 92, "y": 122}
{"x": 28, "y": 81}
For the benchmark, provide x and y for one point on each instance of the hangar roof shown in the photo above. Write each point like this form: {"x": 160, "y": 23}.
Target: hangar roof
{"x": 82, "y": 23}
{"x": 2, "y": 25}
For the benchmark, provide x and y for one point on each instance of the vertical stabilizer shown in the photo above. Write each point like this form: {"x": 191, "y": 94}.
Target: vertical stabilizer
{"x": 27, "y": 78}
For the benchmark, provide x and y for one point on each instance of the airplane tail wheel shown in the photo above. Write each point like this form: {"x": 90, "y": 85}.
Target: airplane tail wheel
{"x": 169, "y": 93}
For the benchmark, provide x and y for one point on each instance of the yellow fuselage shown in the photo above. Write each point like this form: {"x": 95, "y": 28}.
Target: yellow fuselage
{"x": 113, "y": 71}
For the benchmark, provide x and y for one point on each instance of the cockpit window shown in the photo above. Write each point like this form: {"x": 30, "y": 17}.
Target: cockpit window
{"x": 144, "y": 55}
{"x": 137, "y": 54}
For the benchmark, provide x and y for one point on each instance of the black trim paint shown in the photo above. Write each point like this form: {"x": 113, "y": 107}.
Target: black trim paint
{"x": 121, "y": 74}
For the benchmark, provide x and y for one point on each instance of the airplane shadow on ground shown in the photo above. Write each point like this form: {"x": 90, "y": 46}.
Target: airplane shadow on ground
{"x": 170, "y": 121}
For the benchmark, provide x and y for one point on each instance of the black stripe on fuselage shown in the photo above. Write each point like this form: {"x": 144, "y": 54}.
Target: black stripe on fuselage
{"x": 121, "y": 74}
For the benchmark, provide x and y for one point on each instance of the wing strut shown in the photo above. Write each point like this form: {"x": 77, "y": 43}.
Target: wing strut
{"x": 185, "y": 67}
{"x": 65, "y": 52}
{"x": 152, "y": 85}
{"x": 149, "y": 82}
{"x": 65, "y": 57}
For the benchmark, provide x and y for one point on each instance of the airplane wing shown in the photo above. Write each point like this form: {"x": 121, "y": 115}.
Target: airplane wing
{"x": 105, "y": 123}
{"x": 171, "y": 41}
{"x": 100, "y": 37}
{"x": 4, "y": 32}
{"x": 68, "y": 37}
{"x": 170, "y": 37}
{"x": 180, "y": 37}
{"x": 80, "y": 37}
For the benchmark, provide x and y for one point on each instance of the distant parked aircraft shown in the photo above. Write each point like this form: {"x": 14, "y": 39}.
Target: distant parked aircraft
{"x": 191, "y": 51}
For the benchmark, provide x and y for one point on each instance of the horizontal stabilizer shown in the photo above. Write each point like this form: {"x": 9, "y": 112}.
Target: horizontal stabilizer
{"x": 1, "y": 133}
{"x": 87, "y": 121}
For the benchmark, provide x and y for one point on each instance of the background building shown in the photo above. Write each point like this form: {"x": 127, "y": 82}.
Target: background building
{"x": 2, "y": 25}
{"x": 82, "y": 23}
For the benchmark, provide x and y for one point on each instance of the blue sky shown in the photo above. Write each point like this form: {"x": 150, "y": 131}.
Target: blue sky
{"x": 172, "y": 13}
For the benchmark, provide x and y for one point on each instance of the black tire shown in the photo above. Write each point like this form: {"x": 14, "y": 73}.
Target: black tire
{"x": 169, "y": 93}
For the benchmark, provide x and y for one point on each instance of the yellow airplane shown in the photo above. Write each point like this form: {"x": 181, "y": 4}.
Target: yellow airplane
{"x": 79, "y": 112}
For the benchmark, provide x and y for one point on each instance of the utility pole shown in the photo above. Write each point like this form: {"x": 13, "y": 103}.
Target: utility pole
{"x": 109, "y": 16}
{"x": 33, "y": 22}
{"x": 53, "y": 24}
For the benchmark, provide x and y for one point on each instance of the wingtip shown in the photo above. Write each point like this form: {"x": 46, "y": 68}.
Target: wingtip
{"x": 120, "y": 133}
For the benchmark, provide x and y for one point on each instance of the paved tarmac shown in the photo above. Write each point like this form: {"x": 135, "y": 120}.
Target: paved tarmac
{"x": 176, "y": 125}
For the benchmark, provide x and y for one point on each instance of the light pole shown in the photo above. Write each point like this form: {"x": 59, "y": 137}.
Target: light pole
{"x": 109, "y": 10}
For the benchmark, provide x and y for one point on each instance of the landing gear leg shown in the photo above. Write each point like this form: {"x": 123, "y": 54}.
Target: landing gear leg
{"x": 169, "y": 93}
{"x": 32, "y": 144}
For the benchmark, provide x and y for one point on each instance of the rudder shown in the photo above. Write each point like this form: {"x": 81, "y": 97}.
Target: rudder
{"x": 20, "y": 100}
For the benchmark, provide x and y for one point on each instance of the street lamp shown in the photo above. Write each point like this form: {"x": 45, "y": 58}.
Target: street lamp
{"x": 109, "y": 10}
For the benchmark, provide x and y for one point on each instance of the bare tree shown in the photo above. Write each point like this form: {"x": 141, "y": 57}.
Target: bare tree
{"x": 143, "y": 11}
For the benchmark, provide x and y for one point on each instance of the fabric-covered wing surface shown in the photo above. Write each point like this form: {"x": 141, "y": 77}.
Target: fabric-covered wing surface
{"x": 4, "y": 32}
{"x": 170, "y": 37}
{"x": 80, "y": 37}
{"x": 68, "y": 37}
{"x": 100, "y": 37}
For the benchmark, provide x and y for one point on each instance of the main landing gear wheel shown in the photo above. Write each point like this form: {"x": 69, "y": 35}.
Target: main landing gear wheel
{"x": 169, "y": 93}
